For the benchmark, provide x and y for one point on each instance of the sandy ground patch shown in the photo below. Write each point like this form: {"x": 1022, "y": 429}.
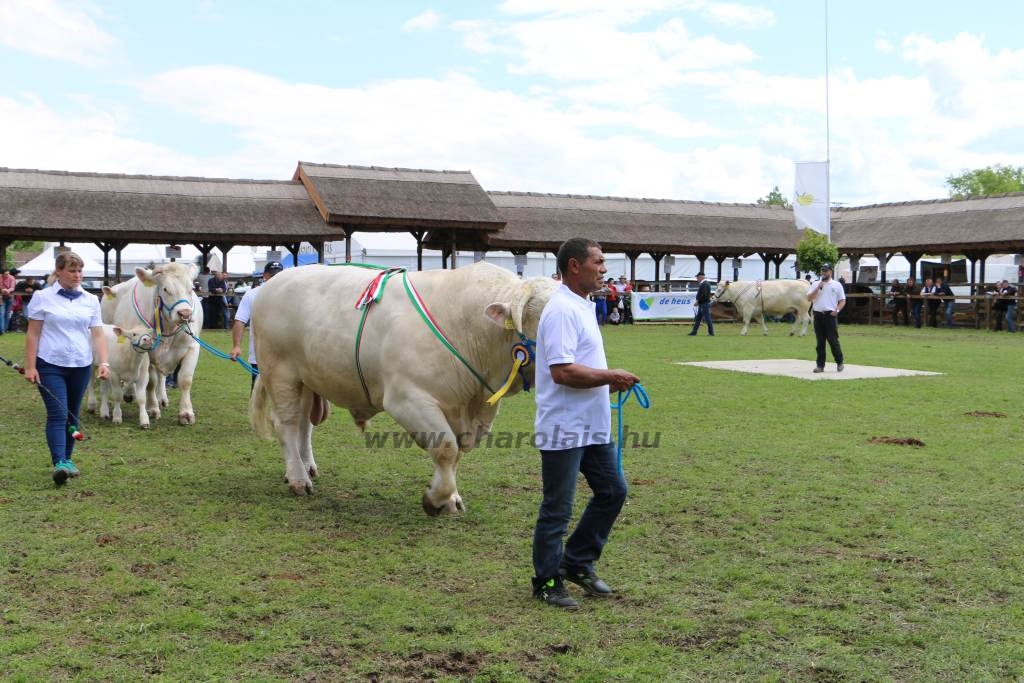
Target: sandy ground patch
{"x": 804, "y": 369}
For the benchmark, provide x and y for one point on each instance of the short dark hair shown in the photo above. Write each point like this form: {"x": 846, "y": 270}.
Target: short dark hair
{"x": 574, "y": 248}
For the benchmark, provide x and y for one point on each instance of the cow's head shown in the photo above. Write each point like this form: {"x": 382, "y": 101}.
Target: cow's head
{"x": 141, "y": 338}
{"x": 722, "y": 293}
{"x": 522, "y": 312}
{"x": 174, "y": 289}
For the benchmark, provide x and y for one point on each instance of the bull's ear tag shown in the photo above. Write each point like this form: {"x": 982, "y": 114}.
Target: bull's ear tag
{"x": 120, "y": 339}
{"x": 509, "y": 325}
{"x": 148, "y": 283}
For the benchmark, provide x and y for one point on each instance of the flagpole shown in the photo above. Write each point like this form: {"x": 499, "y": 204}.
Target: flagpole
{"x": 828, "y": 144}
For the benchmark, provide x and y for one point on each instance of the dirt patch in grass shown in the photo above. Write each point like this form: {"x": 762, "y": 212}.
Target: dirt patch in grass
{"x": 428, "y": 666}
{"x": 984, "y": 413}
{"x": 897, "y": 441}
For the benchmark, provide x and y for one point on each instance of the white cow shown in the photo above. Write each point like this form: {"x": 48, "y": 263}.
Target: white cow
{"x": 306, "y": 326}
{"x": 128, "y": 355}
{"x": 767, "y": 297}
{"x": 166, "y": 289}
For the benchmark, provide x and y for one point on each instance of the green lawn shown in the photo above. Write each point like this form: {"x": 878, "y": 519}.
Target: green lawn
{"x": 764, "y": 538}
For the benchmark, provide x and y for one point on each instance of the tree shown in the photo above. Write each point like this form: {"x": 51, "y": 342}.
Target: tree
{"x": 813, "y": 250}
{"x": 990, "y": 180}
{"x": 20, "y": 245}
{"x": 774, "y": 198}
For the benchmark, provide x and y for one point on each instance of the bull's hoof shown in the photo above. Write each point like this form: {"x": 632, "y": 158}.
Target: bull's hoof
{"x": 313, "y": 472}
{"x": 452, "y": 506}
{"x": 301, "y": 488}
{"x": 144, "y": 426}
{"x": 164, "y": 403}
{"x": 792, "y": 333}
{"x": 429, "y": 507}
{"x": 186, "y": 419}
{"x": 116, "y": 420}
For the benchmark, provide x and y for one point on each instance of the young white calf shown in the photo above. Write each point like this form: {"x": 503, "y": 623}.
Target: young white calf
{"x": 128, "y": 354}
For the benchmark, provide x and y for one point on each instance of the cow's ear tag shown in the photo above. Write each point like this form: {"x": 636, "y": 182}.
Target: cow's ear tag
{"x": 148, "y": 283}
{"x": 120, "y": 339}
{"x": 509, "y": 325}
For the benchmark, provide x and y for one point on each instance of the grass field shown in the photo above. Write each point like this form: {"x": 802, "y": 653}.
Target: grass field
{"x": 764, "y": 538}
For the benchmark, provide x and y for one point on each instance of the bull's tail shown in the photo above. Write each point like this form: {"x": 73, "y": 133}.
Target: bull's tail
{"x": 260, "y": 410}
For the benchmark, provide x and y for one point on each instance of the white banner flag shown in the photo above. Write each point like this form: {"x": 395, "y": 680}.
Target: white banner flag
{"x": 810, "y": 197}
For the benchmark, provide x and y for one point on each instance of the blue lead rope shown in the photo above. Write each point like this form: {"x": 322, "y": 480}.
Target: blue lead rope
{"x": 220, "y": 354}
{"x": 642, "y": 398}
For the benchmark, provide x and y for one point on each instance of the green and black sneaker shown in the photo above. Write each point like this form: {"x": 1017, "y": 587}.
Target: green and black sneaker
{"x": 553, "y": 592}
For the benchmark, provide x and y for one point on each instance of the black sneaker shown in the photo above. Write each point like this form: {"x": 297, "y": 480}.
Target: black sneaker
{"x": 588, "y": 581}
{"x": 553, "y": 592}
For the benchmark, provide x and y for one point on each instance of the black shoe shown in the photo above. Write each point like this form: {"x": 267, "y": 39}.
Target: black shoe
{"x": 553, "y": 592}
{"x": 839, "y": 367}
{"x": 819, "y": 369}
{"x": 692, "y": 334}
{"x": 588, "y": 581}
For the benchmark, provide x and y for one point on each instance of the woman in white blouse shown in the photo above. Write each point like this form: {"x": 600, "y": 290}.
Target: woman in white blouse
{"x": 64, "y": 328}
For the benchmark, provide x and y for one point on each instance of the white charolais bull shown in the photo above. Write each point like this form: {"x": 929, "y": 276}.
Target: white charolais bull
{"x": 306, "y": 328}
{"x": 767, "y": 297}
{"x": 162, "y": 299}
{"x": 128, "y": 357}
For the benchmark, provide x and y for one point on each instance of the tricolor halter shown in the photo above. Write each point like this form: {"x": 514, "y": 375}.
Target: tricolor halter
{"x": 522, "y": 351}
{"x": 159, "y": 308}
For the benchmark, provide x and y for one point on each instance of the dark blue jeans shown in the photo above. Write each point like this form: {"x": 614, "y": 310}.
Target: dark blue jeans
{"x": 559, "y": 470}
{"x": 66, "y": 389}
{"x": 703, "y": 313}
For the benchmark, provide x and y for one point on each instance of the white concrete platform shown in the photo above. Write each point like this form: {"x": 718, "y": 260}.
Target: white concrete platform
{"x": 804, "y": 369}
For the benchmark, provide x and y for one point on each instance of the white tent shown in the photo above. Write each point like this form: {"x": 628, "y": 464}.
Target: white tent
{"x": 43, "y": 265}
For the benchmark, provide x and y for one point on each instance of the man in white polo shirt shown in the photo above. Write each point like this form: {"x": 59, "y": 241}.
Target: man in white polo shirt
{"x": 573, "y": 430}
{"x": 244, "y": 314}
{"x": 828, "y": 298}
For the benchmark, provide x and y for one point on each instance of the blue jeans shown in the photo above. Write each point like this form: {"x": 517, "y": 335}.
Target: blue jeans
{"x": 703, "y": 313}
{"x": 6, "y": 309}
{"x": 559, "y": 470}
{"x": 1011, "y": 318}
{"x": 916, "y": 310}
{"x": 63, "y": 403}
{"x": 949, "y": 314}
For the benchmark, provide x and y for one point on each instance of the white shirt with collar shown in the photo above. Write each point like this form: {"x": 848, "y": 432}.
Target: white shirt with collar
{"x": 65, "y": 338}
{"x": 568, "y": 417}
{"x": 828, "y": 298}
{"x": 244, "y": 316}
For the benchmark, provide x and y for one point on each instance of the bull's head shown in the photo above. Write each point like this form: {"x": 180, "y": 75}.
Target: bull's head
{"x": 174, "y": 289}
{"x": 722, "y": 292}
{"x": 522, "y": 313}
{"x": 521, "y": 318}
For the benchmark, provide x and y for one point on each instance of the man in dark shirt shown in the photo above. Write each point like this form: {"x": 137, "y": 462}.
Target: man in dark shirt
{"x": 943, "y": 291}
{"x": 218, "y": 286}
{"x": 899, "y": 302}
{"x": 703, "y": 306}
{"x": 1005, "y": 307}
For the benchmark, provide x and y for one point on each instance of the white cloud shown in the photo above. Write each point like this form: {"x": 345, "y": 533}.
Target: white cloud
{"x": 91, "y": 139}
{"x": 53, "y": 29}
{"x": 424, "y": 21}
{"x": 739, "y": 16}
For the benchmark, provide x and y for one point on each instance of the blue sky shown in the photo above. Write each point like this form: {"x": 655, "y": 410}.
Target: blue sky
{"x": 682, "y": 99}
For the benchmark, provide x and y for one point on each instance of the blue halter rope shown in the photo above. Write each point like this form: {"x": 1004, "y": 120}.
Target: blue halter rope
{"x": 645, "y": 402}
{"x": 220, "y": 354}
